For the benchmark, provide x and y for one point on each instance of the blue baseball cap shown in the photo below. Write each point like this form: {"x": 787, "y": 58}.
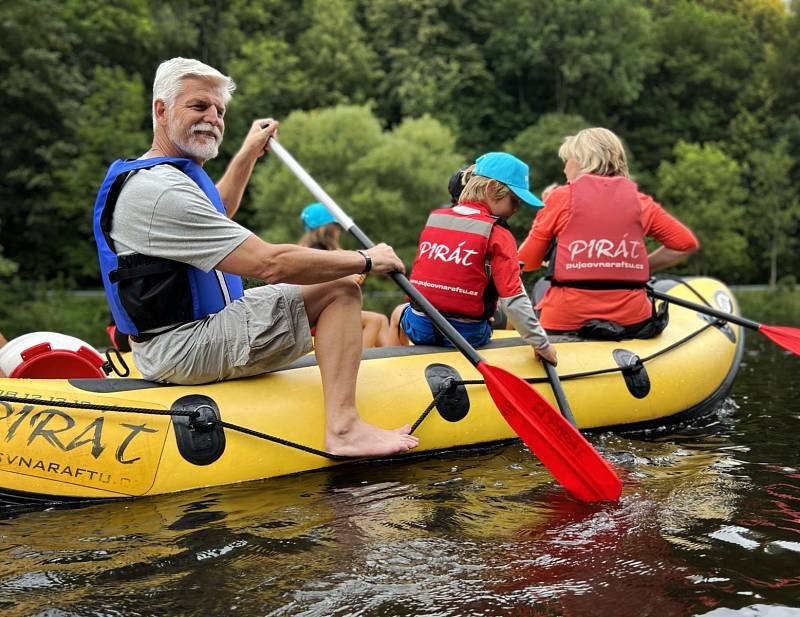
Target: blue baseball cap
{"x": 316, "y": 215}
{"x": 509, "y": 170}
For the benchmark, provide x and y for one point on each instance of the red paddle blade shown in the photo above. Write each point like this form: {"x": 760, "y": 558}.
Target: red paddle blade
{"x": 788, "y": 338}
{"x": 562, "y": 449}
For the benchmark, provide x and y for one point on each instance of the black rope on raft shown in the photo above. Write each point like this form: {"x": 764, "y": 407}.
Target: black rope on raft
{"x": 95, "y": 407}
{"x": 447, "y": 386}
{"x": 603, "y": 371}
{"x": 621, "y": 369}
{"x": 450, "y": 384}
{"x": 682, "y": 281}
{"x": 191, "y": 414}
{"x": 211, "y": 424}
{"x": 280, "y": 440}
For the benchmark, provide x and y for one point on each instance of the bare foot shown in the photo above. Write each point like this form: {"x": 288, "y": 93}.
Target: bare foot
{"x": 403, "y": 430}
{"x": 362, "y": 439}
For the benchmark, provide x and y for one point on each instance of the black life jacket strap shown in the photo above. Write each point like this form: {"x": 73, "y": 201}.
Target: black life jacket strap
{"x": 598, "y": 285}
{"x": 137, "y": 265}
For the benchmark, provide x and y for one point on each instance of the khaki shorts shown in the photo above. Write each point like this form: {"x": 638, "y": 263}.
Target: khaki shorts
{"x": 260, "y": 332}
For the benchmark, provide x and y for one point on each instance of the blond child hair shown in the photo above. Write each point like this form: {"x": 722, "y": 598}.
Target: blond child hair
{"x": 476, "y": 188}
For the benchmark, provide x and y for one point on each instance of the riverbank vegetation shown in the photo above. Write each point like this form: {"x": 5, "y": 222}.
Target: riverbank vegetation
{"x": 778, "y": 307}
{"x": 382, "y": 99}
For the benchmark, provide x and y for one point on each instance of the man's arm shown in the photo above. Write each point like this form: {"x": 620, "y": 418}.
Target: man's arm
{"x": 289, "y": 263}
{"x": 233, "y": 182}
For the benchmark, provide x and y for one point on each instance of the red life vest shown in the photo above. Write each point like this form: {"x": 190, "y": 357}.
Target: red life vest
{"x": 602, "y": 245}
{"x": 451, "y": 269}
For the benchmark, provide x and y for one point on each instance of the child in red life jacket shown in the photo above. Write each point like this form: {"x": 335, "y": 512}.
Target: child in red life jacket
{"x": 467, "y": 262}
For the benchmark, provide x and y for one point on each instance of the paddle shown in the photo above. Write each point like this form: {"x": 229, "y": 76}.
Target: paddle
{"x": 561, "y": 448}
{"x": 561, "y": 397}
{"x": 788, "y": 338}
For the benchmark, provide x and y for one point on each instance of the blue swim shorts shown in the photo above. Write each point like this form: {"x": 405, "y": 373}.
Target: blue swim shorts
{"x": 421, "y": 330}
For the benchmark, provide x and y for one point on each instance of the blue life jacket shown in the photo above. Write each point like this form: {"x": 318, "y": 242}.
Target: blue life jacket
{"x": 145, "y": 292}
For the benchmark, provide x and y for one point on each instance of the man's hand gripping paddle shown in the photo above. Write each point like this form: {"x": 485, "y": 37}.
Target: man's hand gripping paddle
{"x": 561, "y": 448}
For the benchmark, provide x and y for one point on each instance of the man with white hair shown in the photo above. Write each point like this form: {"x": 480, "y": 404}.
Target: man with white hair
{"x": 172, "y": 259}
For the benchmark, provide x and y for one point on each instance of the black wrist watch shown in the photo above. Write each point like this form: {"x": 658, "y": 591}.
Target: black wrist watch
{"x": 367, "y": 262}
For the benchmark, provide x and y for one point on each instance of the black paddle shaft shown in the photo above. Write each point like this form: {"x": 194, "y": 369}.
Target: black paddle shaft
{"x": 701, "y": 308}
{"x": 558, "y": 390}
{"x": 444, "y": 326}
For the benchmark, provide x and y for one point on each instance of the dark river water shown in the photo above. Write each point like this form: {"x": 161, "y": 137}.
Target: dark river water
{"x": 708, "y": 524}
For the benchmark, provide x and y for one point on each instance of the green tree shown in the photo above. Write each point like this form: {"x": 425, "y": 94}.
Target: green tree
{"x": 432, "y": 62}
{"x": 386, "y": 181}
{"x": 213, "y": 31}
{"x": 118, "y": 33}
{"x": 326, "y": 143}
{"x": 270, "y": 82}
{"x": 339, "y": 66}
{"x": 7, "y": 267}
{"x": 322, "y": 60}
{"x": 768, "y": 18}
{"x": 431, "y": 78}
{"x": 115, "y": 123}
{"x": 774, "y": 205}
{"x": 702, "y": 187}
{"x": 42, "y": 89}
{"x": 538, "y": 146}
{"x": 705, "y": 57}
{"x": 756, "y": 120}
{"x": 588, "y": 57}
{"x": 403, "y": 179}
{"x": 783, "y": 68}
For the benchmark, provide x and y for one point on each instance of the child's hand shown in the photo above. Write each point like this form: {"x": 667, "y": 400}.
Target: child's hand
{"x": 548, "y": 355}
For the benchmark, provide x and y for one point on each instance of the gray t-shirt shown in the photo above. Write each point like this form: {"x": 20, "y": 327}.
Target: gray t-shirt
{"x": 161, "y": 212}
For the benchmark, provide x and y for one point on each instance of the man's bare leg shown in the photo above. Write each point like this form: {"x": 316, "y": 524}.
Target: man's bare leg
{"x": 335, "y": 308}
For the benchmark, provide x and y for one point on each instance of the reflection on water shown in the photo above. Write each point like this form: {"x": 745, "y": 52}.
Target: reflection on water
{"x": 709, "y": 524}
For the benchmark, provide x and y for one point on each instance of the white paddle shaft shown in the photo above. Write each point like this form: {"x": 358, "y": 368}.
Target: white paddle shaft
{"x": 341, "y": 217}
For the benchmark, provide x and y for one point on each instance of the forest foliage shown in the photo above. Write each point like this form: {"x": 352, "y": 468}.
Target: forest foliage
{"x": 381, "y": 100}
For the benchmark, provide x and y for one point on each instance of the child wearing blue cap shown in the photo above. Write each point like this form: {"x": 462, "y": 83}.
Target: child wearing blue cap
{"x": 321, "y": 229}
{"x": 467, "y": 262}
{"x": 323, "y": 232}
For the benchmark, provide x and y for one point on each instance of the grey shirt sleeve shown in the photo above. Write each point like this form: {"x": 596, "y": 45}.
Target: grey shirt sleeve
{"x": 520, "y": 313}
{"x": 161, "y": 212}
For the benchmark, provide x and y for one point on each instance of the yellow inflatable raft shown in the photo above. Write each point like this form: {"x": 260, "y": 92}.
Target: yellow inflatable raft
{"x": 89, "y": 439}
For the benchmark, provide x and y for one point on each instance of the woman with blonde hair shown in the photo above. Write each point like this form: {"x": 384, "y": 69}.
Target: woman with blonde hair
{"x": 595, "y": 226}
{"x": 323, "y": 232}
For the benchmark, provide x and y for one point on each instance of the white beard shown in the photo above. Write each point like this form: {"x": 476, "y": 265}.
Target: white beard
{"x": 196, "y": 147}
